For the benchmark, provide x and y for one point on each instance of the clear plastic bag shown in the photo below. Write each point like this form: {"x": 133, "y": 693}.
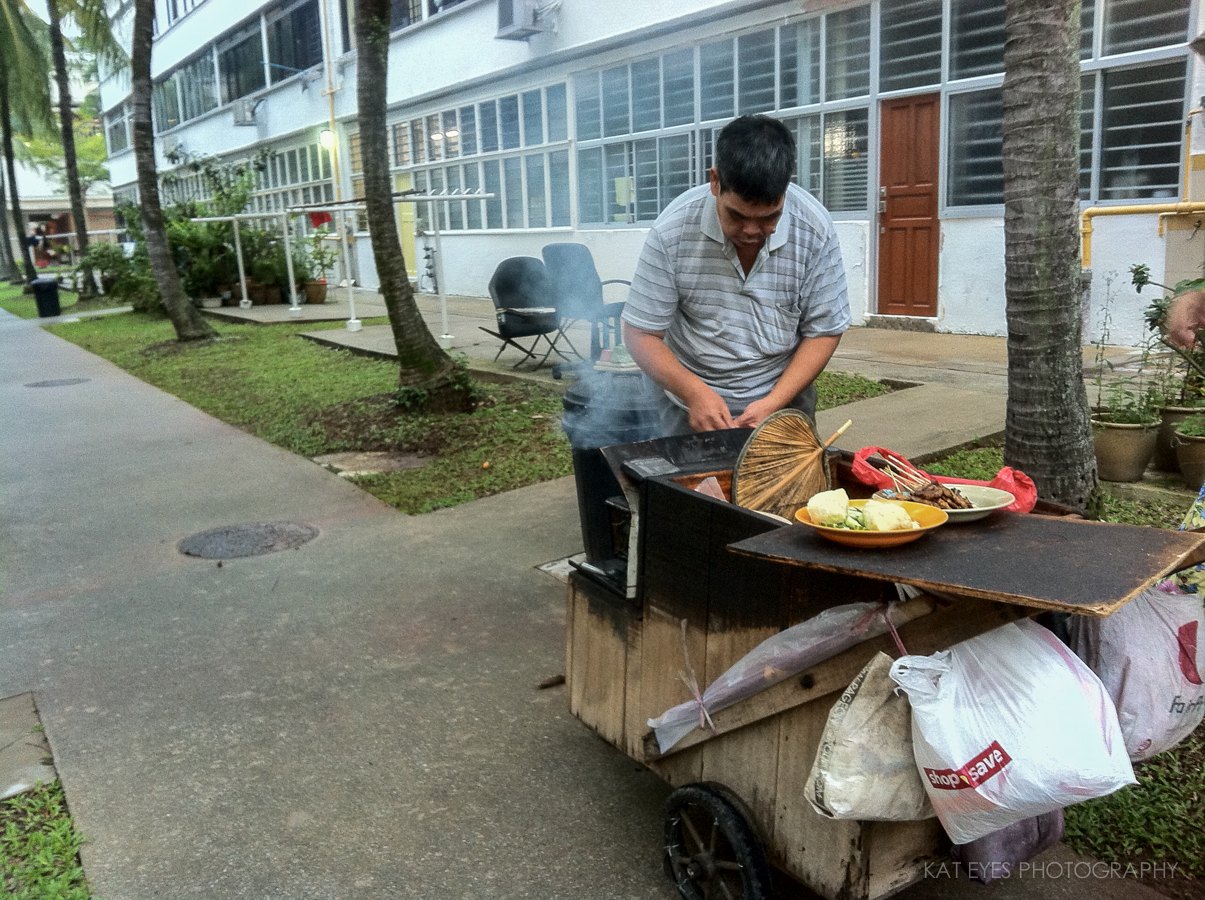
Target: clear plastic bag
{"x": 1150, "y": 655}
{"x": 1010, "y": 725}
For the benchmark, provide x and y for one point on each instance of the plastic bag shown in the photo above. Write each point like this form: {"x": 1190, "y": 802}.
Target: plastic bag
{"x": 1008, "y": 479}
{"x": 776, "y": 658}
{"x": 864, "y": 768}
{"x": 1009, "y": 725}
{"x": 1150, "y": 655}
{"x": 996, "y": 855}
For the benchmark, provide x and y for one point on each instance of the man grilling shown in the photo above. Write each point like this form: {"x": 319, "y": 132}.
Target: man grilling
{"x": 738, "y": 300}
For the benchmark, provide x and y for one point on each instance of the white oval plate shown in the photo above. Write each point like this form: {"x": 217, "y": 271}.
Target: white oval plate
{"x": 985, "y": 501}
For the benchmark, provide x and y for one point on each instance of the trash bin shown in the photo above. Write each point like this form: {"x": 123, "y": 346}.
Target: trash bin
{"x": 46, "y": 295}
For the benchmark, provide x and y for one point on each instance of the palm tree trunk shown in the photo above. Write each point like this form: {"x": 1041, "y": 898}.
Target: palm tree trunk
{"x": 1048, "y": 431}
{"x": 67, "y": 126}
{"x": 189, "y": 324}
{"x": 8, "y": 265}
{"x": 423, "y": 364}
{"x": 6, "y": 135}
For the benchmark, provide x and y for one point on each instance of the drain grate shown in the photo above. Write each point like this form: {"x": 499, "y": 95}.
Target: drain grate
{"x": 58, "y": 382}
{"x": 234, "y": 541}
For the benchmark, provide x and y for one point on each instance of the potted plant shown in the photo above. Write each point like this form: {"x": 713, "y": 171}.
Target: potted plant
{"x": 323, "y": 258}
{"x": 1189, "y": 437}
{"x": 1183, "y": 376}
{"x": 270, "y": 272}
{"x": 1125, "y": 427}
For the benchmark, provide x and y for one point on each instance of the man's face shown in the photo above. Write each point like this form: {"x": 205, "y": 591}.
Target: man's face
{"x": 746, "y": 224}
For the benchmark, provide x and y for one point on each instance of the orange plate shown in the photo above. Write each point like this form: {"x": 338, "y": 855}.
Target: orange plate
{"x": 929, "y": 517}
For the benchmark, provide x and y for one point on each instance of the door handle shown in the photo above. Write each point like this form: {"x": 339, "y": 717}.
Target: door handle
{"x": 882, "y": 207}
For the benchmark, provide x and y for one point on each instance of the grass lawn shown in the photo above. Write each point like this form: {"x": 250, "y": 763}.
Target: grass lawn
{"x": 12, "y": 300}
{"x": 1162, "y": 818}
{"x": 40, "y": 848}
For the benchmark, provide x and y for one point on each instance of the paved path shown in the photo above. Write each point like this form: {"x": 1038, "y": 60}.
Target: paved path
{"x": 356, "y": 718}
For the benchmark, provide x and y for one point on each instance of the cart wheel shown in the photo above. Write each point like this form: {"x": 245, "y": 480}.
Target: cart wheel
{"x": 711, "y": 853}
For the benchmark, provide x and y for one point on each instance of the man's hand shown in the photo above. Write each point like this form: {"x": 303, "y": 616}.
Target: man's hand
{"x": 708, "y": 412}
{"x": 1184, "y": 317}
{"x": 756, "y": 413}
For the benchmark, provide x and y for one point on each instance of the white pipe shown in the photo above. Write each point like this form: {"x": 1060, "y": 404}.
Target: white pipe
{"x": 294, "y": 309}
{"x": 244, "y": 301}
{"x": 353, "y": 324}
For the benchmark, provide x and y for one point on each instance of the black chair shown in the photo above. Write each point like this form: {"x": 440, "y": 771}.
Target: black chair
{"x": 579, "y": 297}
{"x": 525, "y": 306}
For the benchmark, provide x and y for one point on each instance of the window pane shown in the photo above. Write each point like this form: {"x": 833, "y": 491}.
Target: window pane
{"x": 799, "y": 64}
{"x": 512, "y": 173}
{"x": 197, "y": 87}
{"x": 536, "y": 216}
{"x": 755, "y": 53}
{"x": 455, "y": 210}
{"x": 809, "y": 147}
{"x": 1087, "y": 86}
{"x": 976, "y": 169}
{"x": 294, "y": 41}
{"x": 241, "y": 62}
{"x": 508, "y": 115}
{"x": 404, "y": 12}
{"x": 847, "y": 53}
{"x": 589, "y": 107}
{"x": 976, "y": 38}
{"x": 618, "y": 184}
{"x": 679, "y": 82}
{"x": 1086, "y": 15}
{"x": 845, "y": 145}
{"x": 166, "y": 105}
{"x": 646, "y": 95}
{"x": 468, "y": 131}
{"x": 418, "y": 140}
{"x": 558, "y": 117}
{"x": 291, "y": 165}
{"x": 675, "y": 167}
{"x": 590, "y": 185}
{"x": 451, "y": 135}
{"x": 435, "y": 139}
{"x": 493, "y": 185}
{"x": 303, "y": 163}
{"x": 436, "y": 184}
{"x": 1141, "y": 132}
{"x": 558, "y": 186}
{"x": 488, "y": 127}
{"x": 1141, "y": 24}
{"x": 910, "y": 39}
{"x": 615, "y": 102}
{"x": 472, "y": 182}
{"x": 533, "y": 120}
{"x": 645, "y": 157}
{"x": 715, "y": 87}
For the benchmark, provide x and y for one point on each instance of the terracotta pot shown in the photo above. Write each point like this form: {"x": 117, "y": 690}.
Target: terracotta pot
{"x": 315, "y": 292}
{"x": 1123, "y": 451}
{"x": 272, "y": 293}
{"x": 1165, "y": 447}
{"x": 1190, "y": 456}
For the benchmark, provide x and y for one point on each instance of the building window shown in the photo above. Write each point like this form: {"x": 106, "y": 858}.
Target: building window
{"x": 1140, "y": 135}
{"x": 799, "y": 64}
{"x": 910, "y": 44}
{"x": 166, "y": 105}
{"x": 976, "y": 38}
{"x": 847, "y": 53}
{"x": 832, "y": 157}
{"x": 405, "y": 12}
{"x": 186, "y": 93}
{"x": 241, "y": 63}
{"x": 178, "y": 8}
{"x": 1143, "y": 24}
{"x": 755, "y": 72}
{"x": 294, "y": 40}
{"x": 117, "y": 131}
{"x": 976, "y": 168}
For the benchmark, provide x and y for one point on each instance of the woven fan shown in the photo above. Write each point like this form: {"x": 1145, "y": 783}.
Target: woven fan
{"x": 782, "y": 465}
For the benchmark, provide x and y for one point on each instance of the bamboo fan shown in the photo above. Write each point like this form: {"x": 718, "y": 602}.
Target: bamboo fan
{"x": 782, "y": 465}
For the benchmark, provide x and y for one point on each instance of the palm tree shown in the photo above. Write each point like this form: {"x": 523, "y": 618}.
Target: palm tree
{"x": 1048, "y": 432}
{"x": 423, "y": 366}
{"x": 189, "y": 324}
{"x": 24, "y": 96}
{"x": 90, "y": 17}
{"x": 8, "y": 265}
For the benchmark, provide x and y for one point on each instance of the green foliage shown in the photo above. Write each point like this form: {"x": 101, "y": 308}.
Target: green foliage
{"x": 40, "y": 858}
{"x": 1193, "y": 426}
{"x": 1128, "y": 402}
{"x": 45, "y": 153}
{"x": 976, "y": 463}
{"x": 836, "y": 388}
{"x": 323, "y": 254}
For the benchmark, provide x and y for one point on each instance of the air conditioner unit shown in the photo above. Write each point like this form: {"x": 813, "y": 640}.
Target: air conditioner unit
{"x": 517, "y": 20}
{"x": 243, "y": 111}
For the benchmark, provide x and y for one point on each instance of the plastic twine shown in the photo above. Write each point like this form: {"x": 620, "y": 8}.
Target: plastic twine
{"x": 692, "y": 684}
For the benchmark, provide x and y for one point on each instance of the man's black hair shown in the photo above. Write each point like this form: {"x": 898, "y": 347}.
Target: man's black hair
{"x": 755, "y": 157}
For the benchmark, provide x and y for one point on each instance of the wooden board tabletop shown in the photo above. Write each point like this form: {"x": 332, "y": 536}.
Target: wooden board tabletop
{"x": 1069, "y": 565}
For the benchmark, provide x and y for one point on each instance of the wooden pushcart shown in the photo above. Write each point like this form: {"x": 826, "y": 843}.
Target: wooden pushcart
{"x": 736, "y": 577}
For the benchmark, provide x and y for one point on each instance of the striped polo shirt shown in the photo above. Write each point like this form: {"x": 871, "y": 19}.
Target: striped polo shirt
{"x": 738, "y": 332}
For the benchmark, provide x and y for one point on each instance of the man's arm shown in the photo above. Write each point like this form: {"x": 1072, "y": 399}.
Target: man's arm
{"x": 811, "y": 356}
{"x": 1184, "y": 317}
{"x": 707, "y": 410}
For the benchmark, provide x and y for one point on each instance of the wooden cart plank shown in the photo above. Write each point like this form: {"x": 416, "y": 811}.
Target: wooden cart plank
{"x": 634, "y": 726}
{"x": 747, "y": 764}
{"x": 1088, "y": 568}
{"x": 899, "y": 852}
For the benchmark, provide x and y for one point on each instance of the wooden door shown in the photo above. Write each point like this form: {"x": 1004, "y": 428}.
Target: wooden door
{"x": 909, "y": 233}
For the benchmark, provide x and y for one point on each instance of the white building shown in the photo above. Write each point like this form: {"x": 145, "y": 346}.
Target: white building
{"x": 586, "y": 118}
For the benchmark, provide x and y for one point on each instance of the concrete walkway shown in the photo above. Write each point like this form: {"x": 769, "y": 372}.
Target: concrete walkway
{"x": 357, "y": 718}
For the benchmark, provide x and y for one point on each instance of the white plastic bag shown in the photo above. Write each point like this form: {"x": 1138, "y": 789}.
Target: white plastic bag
{"x": 1150, "y": 655}
{"x": 1010, "y": 725}
{"x": 864, "y": 768}
{"x": 776, "y": 658}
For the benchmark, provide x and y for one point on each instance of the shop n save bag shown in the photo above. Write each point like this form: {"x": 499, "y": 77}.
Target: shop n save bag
{"x": 1009, "y": 725}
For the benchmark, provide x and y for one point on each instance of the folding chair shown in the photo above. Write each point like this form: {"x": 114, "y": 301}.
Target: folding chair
{"x": 524, "y": 306}
{"x": 579, "y": 297}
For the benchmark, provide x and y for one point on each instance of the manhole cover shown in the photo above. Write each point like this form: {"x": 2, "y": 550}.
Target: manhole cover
{"x": 58, "y": 382}
{"x": 234, "y": 541}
